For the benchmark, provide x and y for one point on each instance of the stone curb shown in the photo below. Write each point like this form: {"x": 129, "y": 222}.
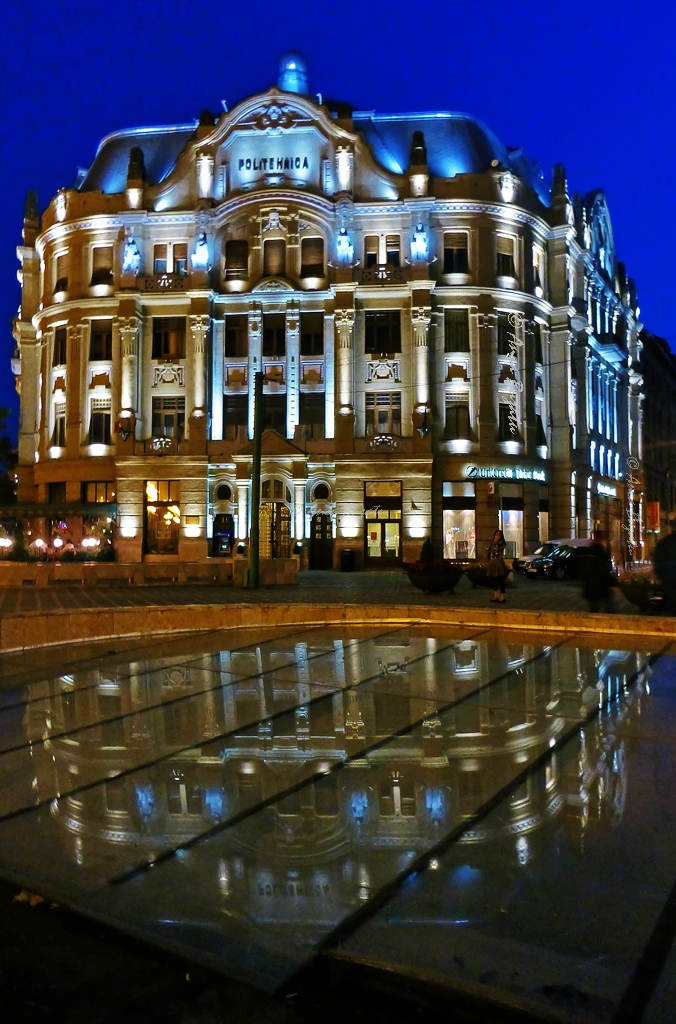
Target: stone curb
{"x": 29, "y": 630}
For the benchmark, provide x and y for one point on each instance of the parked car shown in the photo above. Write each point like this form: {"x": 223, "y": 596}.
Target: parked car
{"x": 558, "y": 564}
{"x": 524, "y": 561}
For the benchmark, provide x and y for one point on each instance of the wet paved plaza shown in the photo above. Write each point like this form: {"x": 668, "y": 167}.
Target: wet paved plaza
{"x": 490, "y": 811}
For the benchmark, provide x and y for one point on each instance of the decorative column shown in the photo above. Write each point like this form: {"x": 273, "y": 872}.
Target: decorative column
{"x": 199, "y": 325}
{"x": 420, "y": 321}
{"x": 344, "y": 326}
{"x": 128, "y": 328}
{"x": 242, "y": 509}
{"x": 292, "y": 369}
{"x": 299, "y": 509}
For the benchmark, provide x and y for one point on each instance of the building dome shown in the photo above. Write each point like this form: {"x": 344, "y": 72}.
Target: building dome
{"x": 293, "y": 73}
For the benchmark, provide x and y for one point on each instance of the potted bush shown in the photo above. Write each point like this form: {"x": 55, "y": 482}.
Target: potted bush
{"x": 433, "y": 575}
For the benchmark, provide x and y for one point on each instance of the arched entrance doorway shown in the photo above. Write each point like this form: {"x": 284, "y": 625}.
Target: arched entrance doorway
{"x": 321, "y": 541}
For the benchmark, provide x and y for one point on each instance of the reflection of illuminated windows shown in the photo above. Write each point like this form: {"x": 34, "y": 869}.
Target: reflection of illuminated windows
{"x": 184, "y": 797}
{"x": 392, "y": 712}
{"x": 465, "y": 656}
{"x": 515, "y": 655}
{"x": 551, "y": 772}
{"x": 397, "y": 797}
{"x": 468, "y": 719}
{"x": 470, "y": 792}
{"x": 110, "y": 707}
{"x": 326, "y": 796}
{"x": 522, "y": 795}
{"x": 321, "y": 717}
{"x": 116, "y": 795}
{"x": 289, "y": 804}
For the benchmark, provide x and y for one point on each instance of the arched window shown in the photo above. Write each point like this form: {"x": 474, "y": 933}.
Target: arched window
{"x": 224, "y": 492}
{"x": 321, "y": 492}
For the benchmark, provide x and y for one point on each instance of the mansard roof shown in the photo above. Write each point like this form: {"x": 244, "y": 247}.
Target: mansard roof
{"x": 456, "y": 143}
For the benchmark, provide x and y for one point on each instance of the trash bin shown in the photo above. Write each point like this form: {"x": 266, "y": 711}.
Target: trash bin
{"x": 347, "y": 560}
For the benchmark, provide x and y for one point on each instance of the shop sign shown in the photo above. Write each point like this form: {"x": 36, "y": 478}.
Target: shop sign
{"x": 606, "y": 490}
{"x": 505, "y": 473}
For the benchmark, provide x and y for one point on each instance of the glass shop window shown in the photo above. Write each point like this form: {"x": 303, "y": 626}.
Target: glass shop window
{"x": 459, "y": 519}
{"x": 98, "y": 491}
{"x": 511, "y": 518}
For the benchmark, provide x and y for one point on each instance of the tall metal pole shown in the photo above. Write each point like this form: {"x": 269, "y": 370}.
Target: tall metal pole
{"x": 255, "y": 504}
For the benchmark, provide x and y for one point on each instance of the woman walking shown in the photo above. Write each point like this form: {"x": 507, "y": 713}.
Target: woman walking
{"x": 497, "y": 570}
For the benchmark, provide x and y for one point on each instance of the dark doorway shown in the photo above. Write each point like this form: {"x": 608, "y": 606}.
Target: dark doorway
{"x": 321, "y": 542}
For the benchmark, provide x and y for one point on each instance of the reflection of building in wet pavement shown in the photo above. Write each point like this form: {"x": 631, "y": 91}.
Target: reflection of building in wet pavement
{"x": 424, "y": 742}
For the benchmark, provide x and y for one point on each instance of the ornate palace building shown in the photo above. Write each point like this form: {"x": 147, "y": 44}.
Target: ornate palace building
{"x": 658, "y": 368}
{"x": 447, "y": 344}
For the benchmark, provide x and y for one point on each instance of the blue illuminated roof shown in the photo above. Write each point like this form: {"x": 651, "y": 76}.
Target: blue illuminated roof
{"x": 161, "y": 148}
{"x": 456, "y": 144}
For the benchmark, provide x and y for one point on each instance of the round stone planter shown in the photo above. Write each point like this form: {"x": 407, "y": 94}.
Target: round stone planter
{"x": 434, "y": 581}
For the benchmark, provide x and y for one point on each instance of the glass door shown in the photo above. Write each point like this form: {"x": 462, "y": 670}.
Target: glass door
{"x": 383, "y": 542}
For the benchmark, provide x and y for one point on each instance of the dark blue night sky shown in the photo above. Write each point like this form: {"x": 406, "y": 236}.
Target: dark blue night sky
{"x": 590, "y": 85}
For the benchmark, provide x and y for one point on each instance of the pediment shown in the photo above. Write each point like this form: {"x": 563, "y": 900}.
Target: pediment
{"x": 273, "y": 284}
{"x": 274, "y": 445}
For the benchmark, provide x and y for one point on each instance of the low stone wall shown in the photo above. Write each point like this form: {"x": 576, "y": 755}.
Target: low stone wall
{"x": 29, "y": 630}
{"x": 91, "y": 574}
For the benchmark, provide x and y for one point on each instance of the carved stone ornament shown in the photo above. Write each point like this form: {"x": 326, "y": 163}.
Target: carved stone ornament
{"x": 387, "y": 369}
{"x": 274, "y": 117}
{"x": 274, "y": 223}
{"x": 168, "y": 374}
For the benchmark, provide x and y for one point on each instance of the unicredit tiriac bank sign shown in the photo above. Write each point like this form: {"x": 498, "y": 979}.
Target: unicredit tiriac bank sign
{"x": 473, "y": 472}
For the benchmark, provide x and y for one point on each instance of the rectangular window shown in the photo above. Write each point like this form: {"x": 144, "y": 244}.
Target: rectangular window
{"x": 274, "y": 334}
{"x": 456, "y": 330}
{"x": 99, "y": 422}
{"x": 383, "y": 413}
{"x": 169, "y": 416}
{"x": 505, "y": 257}
{"x": 459, "y": 519}
{"x": 56, "y": 492}
{"x": 274, "y": 257}
{"x": 181, "y": 259}
{"x": 371, "y": 251}
{"x": 163, "y": 518}
{"x": 236, "y": 336}
{"x": 382, "y": 331}
{"x": 235, "y": 416}
{"x": 60, "y": 346}
{"x": 537, "y": 343}
{"x": 102, "y": 265}
{"x": 160, "y": 259}
{"x": 540, "y": 435}
{"x": 538, "y": 271}
{"x": 393, "y": 250}
{"x": 311, "y": 334}
{"x": 312, "y": 257}
{"x": 457, "y": 418}
{"x": 455, "y": 253}
{"x": 168, "y": 337}
{"x": 61, "y": 273}
{"x": 98, "y": 491}
{"x": 236, "y": 260}
{"x": 59, "y": 435}
{"x": 101, "y": 340}
{"x": 505, "y": 432}
{"x": 312, "y": 415}
{"x": 504, "y": 335}
{"x": 274, "y": 413}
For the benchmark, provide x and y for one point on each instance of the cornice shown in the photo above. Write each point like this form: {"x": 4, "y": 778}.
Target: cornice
{"x": 62, "y": 309}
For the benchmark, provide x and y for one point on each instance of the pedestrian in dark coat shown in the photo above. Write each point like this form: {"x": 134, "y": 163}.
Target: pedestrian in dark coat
{"x": 664, "y": 566}
{"x": 496, "y": 569}
{"x": 594, "y": 568}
